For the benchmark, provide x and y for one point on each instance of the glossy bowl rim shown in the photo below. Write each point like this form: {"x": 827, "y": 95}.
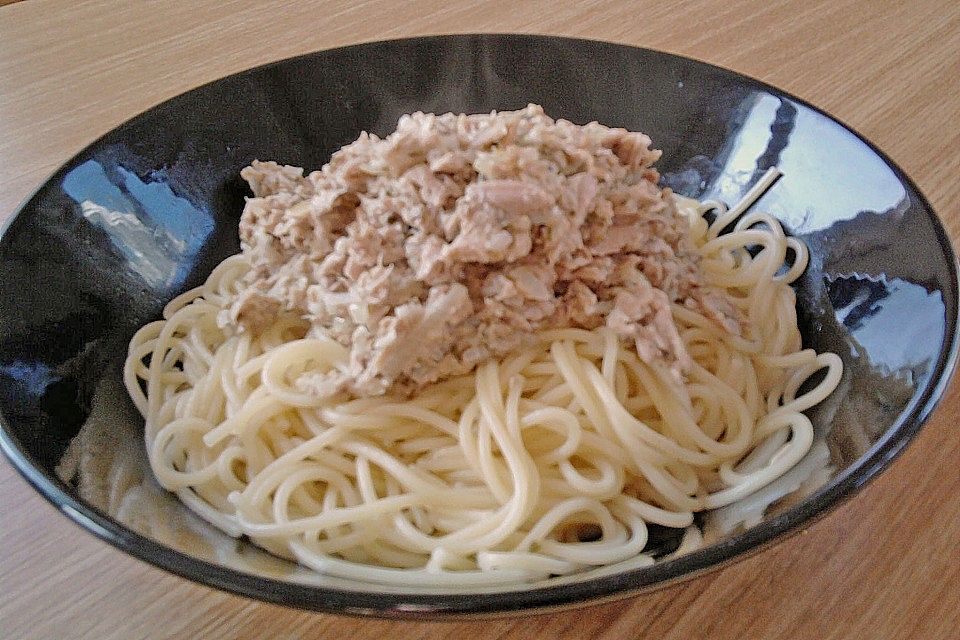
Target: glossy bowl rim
{"x": 538, "y": 599}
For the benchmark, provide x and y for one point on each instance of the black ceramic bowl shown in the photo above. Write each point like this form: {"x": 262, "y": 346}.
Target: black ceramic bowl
{"x": 150, "y": 208}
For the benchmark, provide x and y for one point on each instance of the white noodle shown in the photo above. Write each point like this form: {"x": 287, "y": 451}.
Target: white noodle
{"x": 488, "y": 478}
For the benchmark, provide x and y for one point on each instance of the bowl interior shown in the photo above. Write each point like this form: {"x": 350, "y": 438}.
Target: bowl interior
{"x": 149, "y": 209}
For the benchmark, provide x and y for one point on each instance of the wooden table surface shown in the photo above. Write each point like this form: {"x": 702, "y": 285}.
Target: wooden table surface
{"x": 885, "y": 565}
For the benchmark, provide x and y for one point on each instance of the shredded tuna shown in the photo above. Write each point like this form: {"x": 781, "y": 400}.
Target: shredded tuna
{"x": 456, "y": 238}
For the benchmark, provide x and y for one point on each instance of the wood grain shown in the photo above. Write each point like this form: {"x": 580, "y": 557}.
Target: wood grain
{"x": 885, "y": 565}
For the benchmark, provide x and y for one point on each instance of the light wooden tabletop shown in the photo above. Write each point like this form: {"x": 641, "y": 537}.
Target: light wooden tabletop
{"x": 885, "y": 565}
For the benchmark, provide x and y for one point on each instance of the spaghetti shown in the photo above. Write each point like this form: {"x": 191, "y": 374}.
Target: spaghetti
{"x": 550, "y": 461}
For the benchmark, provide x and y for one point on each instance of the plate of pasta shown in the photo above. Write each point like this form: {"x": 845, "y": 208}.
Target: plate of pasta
{"x": 521, "y": 323}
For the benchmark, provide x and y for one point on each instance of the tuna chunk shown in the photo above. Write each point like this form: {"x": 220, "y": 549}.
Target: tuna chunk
{"x": 458, "y": 237}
